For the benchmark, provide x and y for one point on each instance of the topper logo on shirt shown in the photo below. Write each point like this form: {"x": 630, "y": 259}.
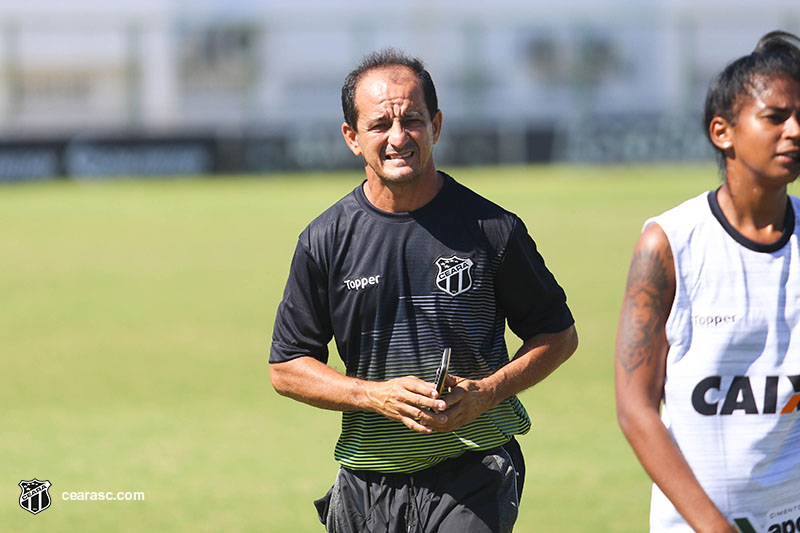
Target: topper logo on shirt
{"x": 454, "y": 275}
{"x": 740, "y": 396}
{"x": 361, "y": 283}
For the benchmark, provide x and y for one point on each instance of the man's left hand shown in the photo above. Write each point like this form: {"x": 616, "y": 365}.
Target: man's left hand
{"x": 466, "y": 401}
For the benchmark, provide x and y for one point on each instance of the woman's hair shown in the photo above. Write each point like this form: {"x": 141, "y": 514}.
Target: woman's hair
{"x": 776, "y": 54}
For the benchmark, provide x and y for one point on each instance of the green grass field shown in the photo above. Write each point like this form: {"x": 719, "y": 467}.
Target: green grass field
{"x": 135, "y": 324}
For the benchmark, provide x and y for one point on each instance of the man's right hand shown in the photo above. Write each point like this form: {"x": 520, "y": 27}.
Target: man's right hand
{"x": 408, "y": 400}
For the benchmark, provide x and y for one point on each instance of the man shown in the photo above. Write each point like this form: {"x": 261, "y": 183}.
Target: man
{"x": 409, "y": 263}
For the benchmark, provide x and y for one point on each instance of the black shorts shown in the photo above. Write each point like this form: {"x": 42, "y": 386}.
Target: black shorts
{"x": 476, "y": 492}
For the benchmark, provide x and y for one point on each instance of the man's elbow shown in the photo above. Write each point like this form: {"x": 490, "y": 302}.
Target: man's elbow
{"x": 278, "y": 378}
{"x": 570, "y": 342}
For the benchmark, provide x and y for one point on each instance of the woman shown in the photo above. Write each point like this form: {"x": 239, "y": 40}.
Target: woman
{"x": 710, "y": 320}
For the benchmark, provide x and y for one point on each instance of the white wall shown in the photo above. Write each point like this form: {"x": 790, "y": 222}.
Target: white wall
{"x": 68, "y": 67}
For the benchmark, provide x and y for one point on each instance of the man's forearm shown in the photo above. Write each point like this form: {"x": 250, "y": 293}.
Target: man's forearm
{"x": 310, "y": 381}
{"x": 407, "y": 399}
{"x": 536, "y": 359}
{"x": 404, "y": 399}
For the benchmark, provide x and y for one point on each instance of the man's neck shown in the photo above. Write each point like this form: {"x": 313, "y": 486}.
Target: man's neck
{"x": 402, "y": 197}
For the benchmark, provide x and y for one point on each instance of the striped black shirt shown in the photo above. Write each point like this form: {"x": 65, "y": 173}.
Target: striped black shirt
{"x": 394, "y": 289}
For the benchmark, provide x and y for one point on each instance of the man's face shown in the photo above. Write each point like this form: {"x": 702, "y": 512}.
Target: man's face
{"x": 395, "y": 134}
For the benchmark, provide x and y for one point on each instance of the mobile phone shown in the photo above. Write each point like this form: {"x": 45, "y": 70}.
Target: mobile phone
{"x": 441, "y": 372}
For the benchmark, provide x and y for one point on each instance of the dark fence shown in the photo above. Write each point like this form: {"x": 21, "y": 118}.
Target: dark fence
{"x": 617, "y": 139}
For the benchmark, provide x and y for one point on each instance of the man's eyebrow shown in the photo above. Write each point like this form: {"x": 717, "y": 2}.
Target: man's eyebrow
{"x": 379, "y": 119}
{"x": 411, "y": 113}
{"x": 376, "y": 120}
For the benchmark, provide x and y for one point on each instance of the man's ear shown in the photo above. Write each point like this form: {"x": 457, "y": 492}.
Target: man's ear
{"x": 437, "y": 126}
{"x": 720, "y": 131}
{"x": 351, "y": 138}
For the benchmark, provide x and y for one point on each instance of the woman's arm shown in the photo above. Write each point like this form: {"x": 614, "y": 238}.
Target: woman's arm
{"x": 639, "y": 371}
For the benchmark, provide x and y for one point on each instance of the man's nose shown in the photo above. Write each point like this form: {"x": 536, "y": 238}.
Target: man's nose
{"x": 397, "y": 134}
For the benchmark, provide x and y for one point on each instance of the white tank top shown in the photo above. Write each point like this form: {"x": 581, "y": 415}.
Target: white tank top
{"x": 733, "y": 367}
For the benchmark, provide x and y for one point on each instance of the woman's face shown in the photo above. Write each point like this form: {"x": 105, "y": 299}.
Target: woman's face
{"x": 764, "y": 143}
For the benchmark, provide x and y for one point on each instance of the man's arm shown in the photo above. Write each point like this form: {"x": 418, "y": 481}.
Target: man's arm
{"x": 639, "y": 370}
{"x": 404, "y": 399}
{"x": 536, "y": 359}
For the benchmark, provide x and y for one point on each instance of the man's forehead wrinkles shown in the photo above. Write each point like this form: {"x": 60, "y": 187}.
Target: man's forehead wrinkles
{"x": 391, "y": 110}
{"x": 382, "y": 96}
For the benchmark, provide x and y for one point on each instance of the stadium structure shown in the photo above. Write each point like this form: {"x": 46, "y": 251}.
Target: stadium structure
{"x": 155, "y": 87}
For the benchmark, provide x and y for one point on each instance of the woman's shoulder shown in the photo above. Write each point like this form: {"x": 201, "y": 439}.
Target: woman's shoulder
{"x": 686, "y": 214}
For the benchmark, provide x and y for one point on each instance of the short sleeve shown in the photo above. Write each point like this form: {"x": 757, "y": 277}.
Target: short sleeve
{"x": 527, "y": 291}
{"x": 302, "y": 323}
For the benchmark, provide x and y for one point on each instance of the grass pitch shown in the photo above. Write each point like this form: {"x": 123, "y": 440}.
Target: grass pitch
{"x": 135, "y": 327}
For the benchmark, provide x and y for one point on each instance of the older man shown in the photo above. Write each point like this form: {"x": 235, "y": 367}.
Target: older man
{"x": 409, "y": 263}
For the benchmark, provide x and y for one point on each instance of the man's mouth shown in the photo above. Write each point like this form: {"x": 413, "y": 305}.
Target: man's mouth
{"x": 399, "y": 155}
{"x": 794, "y": 156}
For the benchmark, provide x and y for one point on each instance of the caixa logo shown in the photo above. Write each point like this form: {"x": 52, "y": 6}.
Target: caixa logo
{"x": 740, "y": 397}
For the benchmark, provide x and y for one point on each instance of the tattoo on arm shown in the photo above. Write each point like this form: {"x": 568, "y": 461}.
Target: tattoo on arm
{"x": 648, "y": 298}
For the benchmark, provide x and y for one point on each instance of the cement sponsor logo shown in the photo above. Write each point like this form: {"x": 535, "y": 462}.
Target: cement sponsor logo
{"x": 784, "y": 519}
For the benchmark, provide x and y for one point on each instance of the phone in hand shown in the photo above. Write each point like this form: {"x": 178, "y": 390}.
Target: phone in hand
{"x": 441, "y": 372}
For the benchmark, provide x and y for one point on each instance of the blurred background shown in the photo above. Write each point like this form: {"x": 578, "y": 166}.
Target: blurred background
{"x": 136, "y": 310}
{"x": 158, "y": 87}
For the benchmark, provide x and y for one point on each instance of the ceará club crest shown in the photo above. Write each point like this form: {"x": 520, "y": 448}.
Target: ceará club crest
{"x": 34, "y": 497}
{"x": 455, "y": 274}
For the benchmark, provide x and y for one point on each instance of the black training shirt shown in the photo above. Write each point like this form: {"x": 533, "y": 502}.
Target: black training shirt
{"x": 395, "y": 289}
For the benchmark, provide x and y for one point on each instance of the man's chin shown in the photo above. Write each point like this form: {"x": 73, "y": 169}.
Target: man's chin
{"x": 399, "y": 178}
